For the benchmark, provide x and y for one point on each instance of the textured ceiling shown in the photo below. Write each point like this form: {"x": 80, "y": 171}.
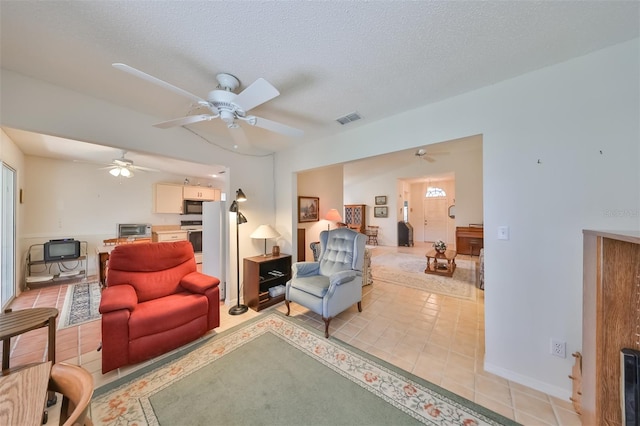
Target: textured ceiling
{"x": 327, "y": 59}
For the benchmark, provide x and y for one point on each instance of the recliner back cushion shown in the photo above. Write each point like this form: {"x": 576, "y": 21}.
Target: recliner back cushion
{"x": 153, "y": 269}
{"x": 338, "y": 251}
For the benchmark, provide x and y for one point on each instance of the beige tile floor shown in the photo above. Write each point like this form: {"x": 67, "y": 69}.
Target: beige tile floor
{"x": 438, "y": 338}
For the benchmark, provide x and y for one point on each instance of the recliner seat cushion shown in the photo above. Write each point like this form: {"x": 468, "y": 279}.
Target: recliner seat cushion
{"x": 316, "y": 285}
{"x": 166, "y": 313}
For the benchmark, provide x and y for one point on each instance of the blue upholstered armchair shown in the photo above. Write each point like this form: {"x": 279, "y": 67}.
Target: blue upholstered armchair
{"x": 333, "y": 283}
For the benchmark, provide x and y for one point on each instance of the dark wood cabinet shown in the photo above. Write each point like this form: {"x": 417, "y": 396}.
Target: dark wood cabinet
{"x": 355, "y": 216}
{"x": 262, "y": 273}
{"x": 610, "y": 319}
{"x": 469, "y": 240}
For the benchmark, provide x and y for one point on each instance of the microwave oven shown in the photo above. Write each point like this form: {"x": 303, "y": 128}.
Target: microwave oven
{"x": 134, "y": 230}
{"x": 192, "y": 207}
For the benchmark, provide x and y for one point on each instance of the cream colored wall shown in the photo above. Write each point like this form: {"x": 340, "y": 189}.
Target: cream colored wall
{"x": 14, "y": 158}
{"x": 326, "y": 184}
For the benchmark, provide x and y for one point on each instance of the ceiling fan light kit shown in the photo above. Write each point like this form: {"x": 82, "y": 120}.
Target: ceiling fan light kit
{"x": 223, "y": 103}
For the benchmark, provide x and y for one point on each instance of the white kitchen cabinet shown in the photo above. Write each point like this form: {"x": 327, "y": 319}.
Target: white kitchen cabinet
{"x": 200, "y": 193}
{"x": 165, "y": 236}
{"x": 167, "y": 198}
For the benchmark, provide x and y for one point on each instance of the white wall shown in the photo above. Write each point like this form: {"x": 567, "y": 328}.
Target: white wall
{"x": 564, "y": 116}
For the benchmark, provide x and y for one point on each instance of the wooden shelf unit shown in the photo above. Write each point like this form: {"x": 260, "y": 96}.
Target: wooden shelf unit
{"x": 355, "y": 216}
{"x": 257, "y": 279}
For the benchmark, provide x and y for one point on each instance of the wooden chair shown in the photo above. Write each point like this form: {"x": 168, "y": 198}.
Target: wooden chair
{"x": 372, "y": 235}
{"x": 76, "y": 386}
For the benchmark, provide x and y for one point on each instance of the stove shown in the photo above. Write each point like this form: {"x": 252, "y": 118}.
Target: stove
{"x": 194, "y": 235}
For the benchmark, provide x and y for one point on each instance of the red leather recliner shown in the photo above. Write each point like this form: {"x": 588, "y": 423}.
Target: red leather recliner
{"x": 155, "y": 301}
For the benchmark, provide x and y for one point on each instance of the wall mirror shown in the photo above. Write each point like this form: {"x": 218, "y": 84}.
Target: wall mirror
{"x": 452, "y": 211}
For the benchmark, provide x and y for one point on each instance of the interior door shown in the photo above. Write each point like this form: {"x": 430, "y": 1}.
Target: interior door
{"x": 435, "y": 218}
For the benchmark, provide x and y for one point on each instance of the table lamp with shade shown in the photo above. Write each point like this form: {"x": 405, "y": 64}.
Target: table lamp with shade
{"x": 333, "y": 216}
{"x": 265, "y": 232}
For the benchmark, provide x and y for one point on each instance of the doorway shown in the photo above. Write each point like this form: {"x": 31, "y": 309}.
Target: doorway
{"x": 435, "y": 219}
{"x": 7, "y": 236}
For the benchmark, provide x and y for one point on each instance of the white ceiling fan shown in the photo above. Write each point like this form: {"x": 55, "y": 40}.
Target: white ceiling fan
{"x": 428, "y": 156}
{"x": 124, "y": 167}
{"x": 223, "y": 103}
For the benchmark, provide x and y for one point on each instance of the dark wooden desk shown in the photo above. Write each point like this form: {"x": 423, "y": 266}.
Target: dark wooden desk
{"x": 24, "y": 394}
{"x": 469, "y": 240}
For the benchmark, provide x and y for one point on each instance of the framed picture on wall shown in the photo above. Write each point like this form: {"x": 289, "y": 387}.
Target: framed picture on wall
{"x": 308, "y": 209}
{"x": 381, "y": 200}
{"x": 380, "y": 212}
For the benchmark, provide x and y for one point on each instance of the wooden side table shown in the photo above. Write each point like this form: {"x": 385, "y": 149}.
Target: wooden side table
{"x": 439, "y": 268}
{"x": 14, "y": 323}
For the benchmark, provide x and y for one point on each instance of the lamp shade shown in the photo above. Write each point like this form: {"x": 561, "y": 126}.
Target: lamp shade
{"x": 241, "y": 219}
{"x": 333, "y": 216}
{"x": 265, "y": 232}
{"x": 240, "y": 196}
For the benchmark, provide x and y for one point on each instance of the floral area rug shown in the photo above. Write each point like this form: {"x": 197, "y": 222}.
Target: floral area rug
{"x": 80, "y": 304}
{"x": 408, "y": 270}
{"x": 231, "y": 378}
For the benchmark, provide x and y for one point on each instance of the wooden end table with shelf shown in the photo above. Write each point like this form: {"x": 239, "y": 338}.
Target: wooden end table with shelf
{"x": 260, "y": 274}
{"x": 436, "y": 262}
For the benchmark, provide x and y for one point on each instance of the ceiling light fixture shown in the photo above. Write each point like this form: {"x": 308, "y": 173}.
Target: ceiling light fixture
{"x": 121, "y": 171}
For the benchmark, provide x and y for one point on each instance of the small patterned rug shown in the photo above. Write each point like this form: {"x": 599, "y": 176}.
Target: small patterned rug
{"x": 80, "y": 304}
{"x": 408, "y": 270}
{"x": 301, "y": 391}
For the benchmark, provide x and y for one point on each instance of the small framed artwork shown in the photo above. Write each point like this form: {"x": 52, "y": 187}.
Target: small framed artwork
{"x": 308, "y": 209}
{"x": 380, "y": 212}
{"x": 381, "y": 200}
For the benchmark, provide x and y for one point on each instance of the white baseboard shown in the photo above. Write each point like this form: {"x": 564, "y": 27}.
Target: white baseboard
{"x": 560, "y": 393}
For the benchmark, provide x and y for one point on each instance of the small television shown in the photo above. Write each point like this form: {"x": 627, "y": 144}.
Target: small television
{"x": 63, "y": 249}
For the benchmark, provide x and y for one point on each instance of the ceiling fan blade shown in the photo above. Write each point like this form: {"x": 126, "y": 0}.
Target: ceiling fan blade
{"x": 259, "y": 92}
{"x": 274, "y": 126}
{"x": 429, "y": 159}
{"x": 145, "y": 169}
{"x": 183, "y": 121}
{"x": 239, "y": 137}
{"x": 143, "y": 75}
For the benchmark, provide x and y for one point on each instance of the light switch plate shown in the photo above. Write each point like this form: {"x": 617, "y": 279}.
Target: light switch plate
{"x": 503, "y": 232}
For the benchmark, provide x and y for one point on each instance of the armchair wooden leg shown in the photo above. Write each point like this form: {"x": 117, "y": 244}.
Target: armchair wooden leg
{"x": 360, "y": 306}
{"x": 326, "y": 326}
{"x": 286, "y": 302}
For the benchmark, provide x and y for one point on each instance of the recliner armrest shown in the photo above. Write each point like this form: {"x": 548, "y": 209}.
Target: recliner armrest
{"x": 342, "y": 277}
{"x": 118, "y": 297}
{"x": 305, "y": 269}
{"x": 197, "y": 282}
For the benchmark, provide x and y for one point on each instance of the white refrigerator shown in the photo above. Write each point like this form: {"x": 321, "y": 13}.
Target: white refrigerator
{"x": 215, "y": 244}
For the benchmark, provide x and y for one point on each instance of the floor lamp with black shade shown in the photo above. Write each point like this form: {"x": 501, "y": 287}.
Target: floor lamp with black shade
{"x": 240, "y": 219}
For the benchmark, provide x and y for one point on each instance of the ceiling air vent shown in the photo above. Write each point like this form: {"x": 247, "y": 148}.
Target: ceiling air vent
{"x": 354, "y": 116}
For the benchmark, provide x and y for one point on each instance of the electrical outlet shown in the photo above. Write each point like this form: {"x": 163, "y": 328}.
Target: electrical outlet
{"x": 558, "y": 348}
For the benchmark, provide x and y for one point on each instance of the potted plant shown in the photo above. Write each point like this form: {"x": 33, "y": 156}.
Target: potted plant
{"x": 440, "y": 246}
